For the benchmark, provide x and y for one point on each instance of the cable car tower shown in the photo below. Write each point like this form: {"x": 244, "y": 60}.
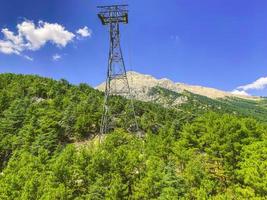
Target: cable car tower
{"x": 116, "y": 82}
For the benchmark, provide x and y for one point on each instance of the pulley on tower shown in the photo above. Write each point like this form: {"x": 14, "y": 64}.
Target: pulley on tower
{"x": 116, "y": 81}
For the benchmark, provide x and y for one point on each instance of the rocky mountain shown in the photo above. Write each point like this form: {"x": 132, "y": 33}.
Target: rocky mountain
{"x": 142, "y": 84}
{"x": 192, "y": 99}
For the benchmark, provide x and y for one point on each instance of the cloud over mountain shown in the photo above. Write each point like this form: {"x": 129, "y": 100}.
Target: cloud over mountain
{"x": 240, "y": 92}
{"x": 259, "y": 84}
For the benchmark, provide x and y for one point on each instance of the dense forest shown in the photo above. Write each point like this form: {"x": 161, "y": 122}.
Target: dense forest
{"x": 195, "y": 104}
{"x": 49, "y": 147}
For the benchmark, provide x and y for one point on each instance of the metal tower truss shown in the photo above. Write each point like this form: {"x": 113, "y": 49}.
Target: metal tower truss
{"x": 116, "y": 114}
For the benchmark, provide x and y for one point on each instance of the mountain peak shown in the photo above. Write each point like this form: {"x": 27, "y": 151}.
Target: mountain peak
{"x": 141, "y": 83}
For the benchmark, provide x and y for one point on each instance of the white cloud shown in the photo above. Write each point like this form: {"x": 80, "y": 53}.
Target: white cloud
{"x": 28, "y": 58}
{"x": 33, "y": 37}
{"x": 17, "y": 40}
{"x": 259, "y": 84}
{"x": 84, "y": 32}
{"x": 38, "y": 36}
{"x": 240, "y": 92}
{"x": 7, "y": 47}
{"x": 56, "y": 57}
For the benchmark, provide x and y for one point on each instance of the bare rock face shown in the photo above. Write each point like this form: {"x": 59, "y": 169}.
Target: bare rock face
{"x": 142, "y": 84}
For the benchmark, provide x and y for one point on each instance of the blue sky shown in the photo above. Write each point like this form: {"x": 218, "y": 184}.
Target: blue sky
{"x": 214, "y": 43}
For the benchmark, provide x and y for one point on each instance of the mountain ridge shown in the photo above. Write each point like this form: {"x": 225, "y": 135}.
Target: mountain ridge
{"x": 141, "y": 83}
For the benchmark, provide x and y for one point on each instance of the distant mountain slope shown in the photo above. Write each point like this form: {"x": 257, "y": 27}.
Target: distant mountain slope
{"x": 195, "y": 104}
{"x": 141, "y": 84}
{"x": 193, "y": 99}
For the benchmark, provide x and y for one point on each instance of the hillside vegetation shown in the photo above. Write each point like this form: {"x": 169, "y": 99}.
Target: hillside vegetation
{"x": 196, "y": 104}
{"x": 48, "y": 148}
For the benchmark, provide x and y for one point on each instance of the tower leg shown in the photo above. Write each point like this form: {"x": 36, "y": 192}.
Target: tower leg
{"x": 117, "y": 84}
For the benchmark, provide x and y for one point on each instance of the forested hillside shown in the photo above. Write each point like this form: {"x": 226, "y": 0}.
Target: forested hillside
{"x": 195, "y": 104}
{"x": 48, "y": 148}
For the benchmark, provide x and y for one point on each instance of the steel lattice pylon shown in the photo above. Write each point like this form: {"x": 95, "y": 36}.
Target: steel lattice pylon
{"x": 116, "y": 81}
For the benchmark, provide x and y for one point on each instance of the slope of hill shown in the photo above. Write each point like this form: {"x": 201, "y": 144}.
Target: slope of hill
{"x": 42, "y": 122}
{"x": 194, "y": 100}
{"x": 197, "y": 104}
{"x": 141, "y": 84}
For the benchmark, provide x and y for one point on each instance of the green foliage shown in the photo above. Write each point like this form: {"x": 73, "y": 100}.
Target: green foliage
{"x": 197, "y": 105}
{"x": 253, "y": 167}
{"x": 48, "y": 148}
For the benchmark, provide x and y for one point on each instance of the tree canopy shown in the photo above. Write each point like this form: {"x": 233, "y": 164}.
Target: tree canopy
{"x": 49, "y": 148}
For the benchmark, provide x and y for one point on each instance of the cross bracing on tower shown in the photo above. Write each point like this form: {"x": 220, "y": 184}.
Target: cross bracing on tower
{"x": 116, "y": 114}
